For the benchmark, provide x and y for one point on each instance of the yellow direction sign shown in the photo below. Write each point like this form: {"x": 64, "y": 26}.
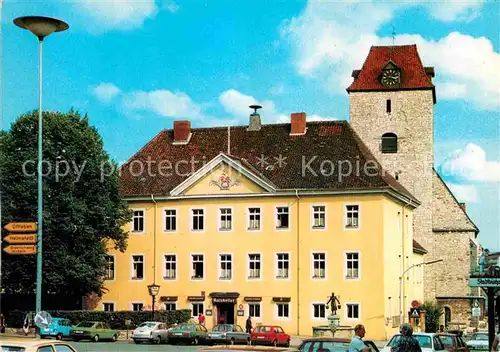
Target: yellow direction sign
{"x": 28, "y": 238}
{"x": 21, "y": 227}
{"x": 20, "y": 249}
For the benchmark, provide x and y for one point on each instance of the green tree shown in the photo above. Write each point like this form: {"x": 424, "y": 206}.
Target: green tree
{"x": 83, "y": 213}
{"x": 433, "y": 313}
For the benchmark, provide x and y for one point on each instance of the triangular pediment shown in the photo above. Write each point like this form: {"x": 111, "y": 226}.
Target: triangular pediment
{"x": 390, "y": 66}
{"x": 223, "y": 175}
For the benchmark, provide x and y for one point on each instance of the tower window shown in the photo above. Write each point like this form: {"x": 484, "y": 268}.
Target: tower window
{"x": 389, "y": 143}
{"x": 388, "y": 105}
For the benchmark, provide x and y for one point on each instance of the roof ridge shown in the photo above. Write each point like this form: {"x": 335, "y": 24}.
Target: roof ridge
{"x": 263, "y": 125}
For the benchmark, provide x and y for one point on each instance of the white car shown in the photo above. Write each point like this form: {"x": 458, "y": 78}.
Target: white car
{"x": 429, "y": 342}
{"x": 150, "y": 331}
{"x": 479, "y": 341}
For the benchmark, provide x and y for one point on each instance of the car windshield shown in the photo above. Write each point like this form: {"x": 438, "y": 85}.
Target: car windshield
{"x": 479, "y": 337}
{"x": 147, "y": 325}
{"x": 222, "y": 328}
{"x": 12, "y": 349}
{"x": 86, "y": 324}
{"x": 446, "y": 340}
{"x": 263, "y": 329}
{"x": 185, "y": 327}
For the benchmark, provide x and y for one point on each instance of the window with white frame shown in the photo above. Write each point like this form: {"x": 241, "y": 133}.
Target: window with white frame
{"x": 226, "y": 266}
{"x": 254, "y": 218}
{"x": 170, "y": 266}
{"x": 171, "y": 306}
{"x": 352, "y": 310}
{"x": 108, "y": 307}
{"x": 283, "y": 265}
{"x": 254, "y": 310}
{"x": 283, "y": 217}
{"x": 283, "y": 310}
{"x": 198, "y": 218}
{"x": 319, "y": 216}
{"x": 226, "y": 219}
{"x": 110, "y": 268}
{"x": 319, "y": 265}
{"x": 137, "y": 307}
{"x": 254, "y": 266}
{"x": 138, "y": 221}
{"x": 319, "y": 310}
{"x": 352, "y": 265}
{"x": 197, "y": 309}
{"x": 352, "y": 216}
{"x": 137, "y": 267}
{"x": 197, "y": 261}
{"x": 170, "y": 220}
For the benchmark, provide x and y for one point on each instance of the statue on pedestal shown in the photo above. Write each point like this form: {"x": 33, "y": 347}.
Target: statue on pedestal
{"x": 333, "y": 301}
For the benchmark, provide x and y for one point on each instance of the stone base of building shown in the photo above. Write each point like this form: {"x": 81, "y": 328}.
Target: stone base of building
{"x": 458, "y": 310}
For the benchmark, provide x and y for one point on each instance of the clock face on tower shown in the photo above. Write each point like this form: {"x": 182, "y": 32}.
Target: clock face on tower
{"x": 390, "y": 77}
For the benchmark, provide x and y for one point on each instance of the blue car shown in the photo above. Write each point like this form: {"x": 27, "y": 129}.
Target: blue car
{"x": 59, "y": 328}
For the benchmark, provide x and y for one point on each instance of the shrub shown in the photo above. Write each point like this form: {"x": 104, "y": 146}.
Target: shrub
{"x": 116, "y": 320}
{"x": 432, "y": 314}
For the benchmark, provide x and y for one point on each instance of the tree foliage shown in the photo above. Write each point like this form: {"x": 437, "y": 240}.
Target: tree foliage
{"x": 433, "y": 313}
{"x": 83, "y": 213}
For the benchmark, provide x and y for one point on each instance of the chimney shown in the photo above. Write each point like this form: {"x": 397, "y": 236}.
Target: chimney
{"x": 462, "y": 205}
{"x": 254, "y": 123}
{"x": 182, "y": 132}
{"x": 298, "y": 124}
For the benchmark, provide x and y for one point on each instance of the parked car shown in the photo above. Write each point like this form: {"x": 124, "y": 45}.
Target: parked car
{"x": 150, "y": 331}
{"x": 333, "y": 344}
{"x": 429, "y": 342}
{"x": 35, "y": 345}
{"x": 270, "y": 335}
{"x": 248, "y": 348}
{"x": 479, "y": 341}
{"x": 453, "y": 342}
{"x": 93, "y": 330}
{"x": 187, "y": 333}
{"x": 59, "y": 328}
{"x": 228, "y": 333}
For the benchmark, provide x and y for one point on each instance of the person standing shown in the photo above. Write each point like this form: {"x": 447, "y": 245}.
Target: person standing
{"x": 357, "y": 344}
{"x": 201, "y": 319}
{"x": 248, "y": 325}
{"x": 406, "y": 343}
{"x": 496, "y": 343}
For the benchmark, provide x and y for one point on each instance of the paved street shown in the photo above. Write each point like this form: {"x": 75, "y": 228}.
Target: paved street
{"x": 126, "y": 346}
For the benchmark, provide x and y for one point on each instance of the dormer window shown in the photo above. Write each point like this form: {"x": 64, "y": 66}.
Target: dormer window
{"x": 391, "y": 75}
{"x": 389, "y": 143}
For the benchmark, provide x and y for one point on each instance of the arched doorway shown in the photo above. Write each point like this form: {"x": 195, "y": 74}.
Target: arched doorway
{"x": 447, "y": 316}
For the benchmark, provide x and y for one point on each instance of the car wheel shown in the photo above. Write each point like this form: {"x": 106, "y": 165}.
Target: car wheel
{"x": 157, "y": 340}
{"x": 95, "y": 338}
{"x": 59, "y": 336}
{"x": 114, "y": 338}
{"x": 287, "y": 343}
{"x": 196, "y": 341}
{"x": 275, "y": 343}
{"x": 137, "y": 342}
{"x": 231, "y": 342}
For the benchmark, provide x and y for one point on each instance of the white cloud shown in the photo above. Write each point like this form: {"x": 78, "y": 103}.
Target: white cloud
{"x": 464, "y": 193}
{"x": 163, "y": 103}
{"x": 171, "y": 6}
{"x": 278, "y": 89}
{"x": 105, "y": 92}
{"x": 116, "y": 14}
{"x": 455, "y": 10}
{"x": 332, "y": 39}
{"x": 471, "y": 164}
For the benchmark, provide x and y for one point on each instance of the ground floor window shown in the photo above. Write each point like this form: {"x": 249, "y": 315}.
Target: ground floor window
{"x": 319, "y": 310}
{"x": 137, "y": 307}
{"x": 108, "y": 307}
{"x": 254, "y": 310}
{"x": 197, "y": 309}
{"x": 352, "y": 311}
{"x": 170, "y": 306}
{"x": 283, "y": 310}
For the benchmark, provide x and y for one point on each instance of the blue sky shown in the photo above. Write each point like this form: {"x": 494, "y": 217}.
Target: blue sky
{"x": 136, "y": 66}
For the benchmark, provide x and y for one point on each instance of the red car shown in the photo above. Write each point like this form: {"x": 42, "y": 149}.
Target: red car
{"x": 453, "y": 343}
{"x": 270, "y": 335}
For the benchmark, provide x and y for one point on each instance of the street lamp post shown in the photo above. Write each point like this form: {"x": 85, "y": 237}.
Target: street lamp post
{"x": 41, "y": 27}
{"x": 401, "y": 285}
{"x": 153, "y": 289}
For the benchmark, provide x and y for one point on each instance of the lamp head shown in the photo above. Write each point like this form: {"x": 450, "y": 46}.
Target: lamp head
{"x": 41, "y": 26}
{"x": 154, "y": 290}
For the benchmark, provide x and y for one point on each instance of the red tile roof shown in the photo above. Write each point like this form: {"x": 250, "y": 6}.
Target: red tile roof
{"x": 328, "y": 141}
{"x": 413, "y": 73}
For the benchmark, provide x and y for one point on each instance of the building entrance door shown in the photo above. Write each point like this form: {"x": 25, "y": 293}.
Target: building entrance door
{"x": 225, "y": 313}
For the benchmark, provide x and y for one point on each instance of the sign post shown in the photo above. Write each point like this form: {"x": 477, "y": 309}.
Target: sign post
{"x": 21, "y": 239}
{"x": 491, "y": 285}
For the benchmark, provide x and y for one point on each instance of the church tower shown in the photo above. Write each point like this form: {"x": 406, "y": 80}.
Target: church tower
{"x": 391, "y": 104}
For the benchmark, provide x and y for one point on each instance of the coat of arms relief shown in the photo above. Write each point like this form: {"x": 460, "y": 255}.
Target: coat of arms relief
{"x": 224, "y": 182}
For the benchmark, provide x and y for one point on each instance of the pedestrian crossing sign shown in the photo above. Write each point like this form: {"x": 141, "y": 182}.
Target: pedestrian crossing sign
{"x": 414, "y": 313}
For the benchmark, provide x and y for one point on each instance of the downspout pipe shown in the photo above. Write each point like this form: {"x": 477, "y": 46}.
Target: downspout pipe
{"x": 298, "y": 261}
{"x": 154, "y": 240}
{"x": 401, "y": 278}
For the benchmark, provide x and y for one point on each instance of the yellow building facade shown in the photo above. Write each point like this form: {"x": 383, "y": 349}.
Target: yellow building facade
{"x": 227, "y": 243}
